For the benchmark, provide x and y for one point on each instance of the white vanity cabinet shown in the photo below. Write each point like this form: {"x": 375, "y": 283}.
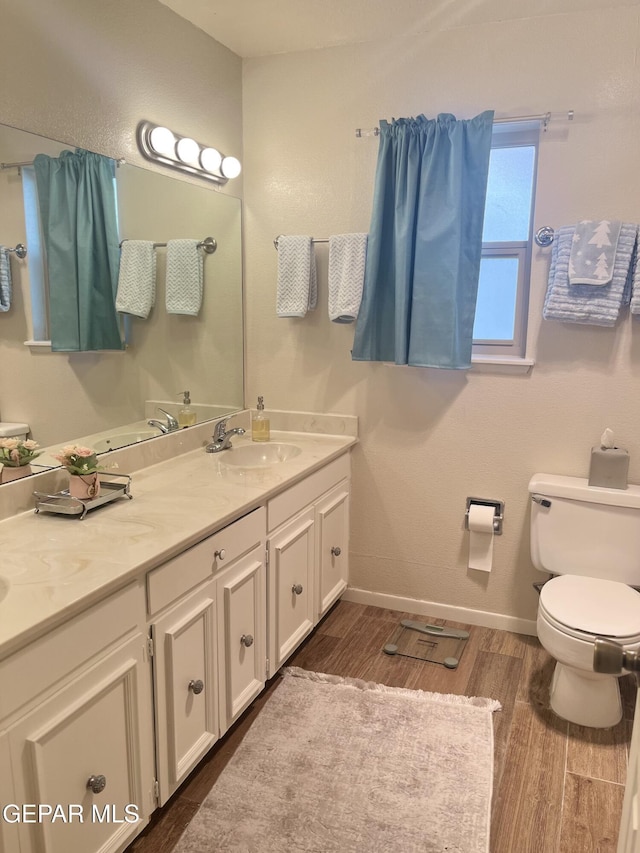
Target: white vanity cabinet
{"x": 79, "y": 732}
{"x": 308, "y": 553}
{"x": 186, "y": 688}
{"x": 205, "y": 675}
{"x": 8, "y": 829}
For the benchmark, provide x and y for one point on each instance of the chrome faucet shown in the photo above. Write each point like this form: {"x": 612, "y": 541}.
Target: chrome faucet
{"x": 169, "y": 426}
{"x": 222, "y": 437}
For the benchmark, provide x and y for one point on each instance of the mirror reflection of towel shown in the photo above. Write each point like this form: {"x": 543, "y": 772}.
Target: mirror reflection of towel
{"x": 184, "y": 277}
{"x": 5, "y": 280}
{"x": 136, "y": 278}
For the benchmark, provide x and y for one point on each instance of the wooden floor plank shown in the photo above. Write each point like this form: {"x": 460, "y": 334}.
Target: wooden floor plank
{"x": 599, "y": 753}
{"x": 529, "y": 798}
{"x": 165, "y": 829}
{"x": 590, "y": 820}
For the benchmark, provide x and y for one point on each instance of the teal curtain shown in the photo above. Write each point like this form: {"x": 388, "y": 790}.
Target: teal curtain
{"x": 77, "y": 201}
{"x": 425, "y": 242}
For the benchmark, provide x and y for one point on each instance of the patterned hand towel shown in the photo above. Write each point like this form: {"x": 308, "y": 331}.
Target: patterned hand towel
{"x": 137, "y": 278}
{"x": 184, "y": 277}
{"x": 297, "y": 277}
{"x": 347, "y": 258}
{"x": 580, "y": 303}
{"x": 593, "y": 252}
{"x": 5, "y": 280}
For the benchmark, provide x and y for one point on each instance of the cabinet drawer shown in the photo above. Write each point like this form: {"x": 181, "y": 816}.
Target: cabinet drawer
{"x": 48, "y": 660}
{"x": 288, "y": 503}
{"x": 176, "y": 577}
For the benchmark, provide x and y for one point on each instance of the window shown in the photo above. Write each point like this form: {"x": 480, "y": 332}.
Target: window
{"x": 503, "y": 289}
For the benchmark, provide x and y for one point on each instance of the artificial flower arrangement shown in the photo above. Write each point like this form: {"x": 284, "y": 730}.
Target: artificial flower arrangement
{"x": 17, "y": 452}
{"x": 78, "y": 459}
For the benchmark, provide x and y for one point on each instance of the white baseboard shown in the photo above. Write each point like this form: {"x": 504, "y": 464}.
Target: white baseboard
{"x": 443, "y": 611}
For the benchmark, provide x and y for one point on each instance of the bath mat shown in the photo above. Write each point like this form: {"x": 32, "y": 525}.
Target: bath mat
{"x": 412, "y": 644}
{"x": 335, "y": 765}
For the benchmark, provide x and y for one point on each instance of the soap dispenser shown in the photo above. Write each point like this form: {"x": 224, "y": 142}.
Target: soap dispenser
{"x": 260, "y": 427}
{"x": 186, "y": 416}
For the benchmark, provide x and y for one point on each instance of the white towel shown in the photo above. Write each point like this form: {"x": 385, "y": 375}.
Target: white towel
{"x": 583, "y": 303}
{"x": 137, "y": 278}
{"x": 5, "y": 280}
{"x": 347, "y": 258}
{"x": 184, "y": 277}
{"x": 297, "y": 277}
{"x": 593, "y": 251}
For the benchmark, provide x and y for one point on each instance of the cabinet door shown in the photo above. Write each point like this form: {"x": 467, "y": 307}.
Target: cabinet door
{"x": 186, "y": 698}
{"x": 242, "y": 634}
{"x": 8, "y": 829}
{"x": 333, "y": 552}
{"x": 291, "y": 580}
{"x": 89, "y": 751}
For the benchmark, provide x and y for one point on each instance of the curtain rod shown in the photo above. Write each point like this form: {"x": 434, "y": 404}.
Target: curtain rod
{"x": 119, "y": 162}
{"x": 545, "y": 118}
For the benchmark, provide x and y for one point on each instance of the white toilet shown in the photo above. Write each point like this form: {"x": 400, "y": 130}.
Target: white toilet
{"x": 590, "y": 538}
{"x": 10, "y": 430}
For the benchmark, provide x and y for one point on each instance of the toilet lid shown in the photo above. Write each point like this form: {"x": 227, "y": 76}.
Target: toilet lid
{"x": 592, "y": 606}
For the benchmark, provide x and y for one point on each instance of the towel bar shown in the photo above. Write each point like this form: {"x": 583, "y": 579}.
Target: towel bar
{"x": 544, "y": 236}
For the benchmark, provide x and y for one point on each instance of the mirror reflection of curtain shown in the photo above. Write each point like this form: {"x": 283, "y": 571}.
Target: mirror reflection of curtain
{"x": 77, "y": 202}
{"x": 425, "y": 242}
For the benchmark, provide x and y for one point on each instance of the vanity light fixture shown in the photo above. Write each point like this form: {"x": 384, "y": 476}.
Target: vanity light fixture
{"x": 162, "y": 145}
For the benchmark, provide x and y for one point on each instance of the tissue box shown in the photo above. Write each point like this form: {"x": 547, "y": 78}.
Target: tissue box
{"x": 609, "y": 467}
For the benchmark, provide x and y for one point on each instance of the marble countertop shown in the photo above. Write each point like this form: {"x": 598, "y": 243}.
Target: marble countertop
{"x": 54, "y": 566}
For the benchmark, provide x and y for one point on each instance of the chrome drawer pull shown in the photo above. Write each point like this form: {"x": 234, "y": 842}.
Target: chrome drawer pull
{"x": 221, "y": 554}
{"x": 336, "y": 551}
{"x": 196, "y": 686}
{"x": 246, "y": 640}
{"x": 297, "y": 589}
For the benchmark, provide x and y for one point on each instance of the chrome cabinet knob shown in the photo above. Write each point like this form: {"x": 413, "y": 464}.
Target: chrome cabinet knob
{"x": 196, "y": 686}
{"x": 97, "y": 783}
{"x": 336, "y": 551}
{"x": 221, "y": 554}
{"x": 246, "y": 640}
{"x": 297, "y": 589}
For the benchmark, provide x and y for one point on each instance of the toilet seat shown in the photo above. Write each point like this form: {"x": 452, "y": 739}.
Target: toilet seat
{"x": 584, "y": 608}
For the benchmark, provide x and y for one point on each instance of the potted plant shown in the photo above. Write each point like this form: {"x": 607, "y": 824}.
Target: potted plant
{"x": 82, "y": 465}
{"x": 16, "y": 456}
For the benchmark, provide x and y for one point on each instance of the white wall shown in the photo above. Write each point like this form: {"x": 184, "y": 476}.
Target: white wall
{"x": 429, "y": 438}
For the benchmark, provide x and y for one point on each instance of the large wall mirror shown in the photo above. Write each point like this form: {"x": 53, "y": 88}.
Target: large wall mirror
{"x": 108, "y": 397}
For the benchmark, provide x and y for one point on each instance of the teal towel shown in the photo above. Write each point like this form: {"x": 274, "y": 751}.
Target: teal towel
{"x": 184, "y": 277}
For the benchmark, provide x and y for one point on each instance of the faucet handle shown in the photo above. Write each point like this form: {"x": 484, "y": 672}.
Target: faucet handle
{"x": 172, "y": 423}
{"x": 221, "y": 428}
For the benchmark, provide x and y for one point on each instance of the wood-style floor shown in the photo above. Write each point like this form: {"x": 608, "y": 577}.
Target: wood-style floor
{"x": 558, "y": 788}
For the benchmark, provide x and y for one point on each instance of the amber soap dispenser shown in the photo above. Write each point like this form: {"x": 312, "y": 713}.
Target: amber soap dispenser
{"x": 186, "y": 416}
{"x": 260, "y": 427}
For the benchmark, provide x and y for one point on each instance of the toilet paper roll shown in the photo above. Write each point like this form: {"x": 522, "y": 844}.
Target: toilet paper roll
{"x": 481, "y": 537}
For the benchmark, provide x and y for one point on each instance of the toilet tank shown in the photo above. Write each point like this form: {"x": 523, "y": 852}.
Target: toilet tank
{"x": 578, "y": 529}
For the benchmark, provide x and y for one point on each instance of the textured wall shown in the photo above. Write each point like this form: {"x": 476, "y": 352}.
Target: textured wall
{"x": 429, "y": 438}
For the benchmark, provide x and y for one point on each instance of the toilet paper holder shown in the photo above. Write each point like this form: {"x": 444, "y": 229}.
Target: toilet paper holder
{"x": 498, "y": 512}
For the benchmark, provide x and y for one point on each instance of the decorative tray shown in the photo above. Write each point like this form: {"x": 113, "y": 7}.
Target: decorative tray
{"x": 64, "y": 504}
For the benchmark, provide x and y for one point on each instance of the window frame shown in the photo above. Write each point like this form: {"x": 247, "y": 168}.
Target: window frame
{"x": 514, "y": 134}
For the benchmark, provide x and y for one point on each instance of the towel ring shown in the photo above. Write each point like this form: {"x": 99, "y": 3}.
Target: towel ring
{"x": 544, "y": 236}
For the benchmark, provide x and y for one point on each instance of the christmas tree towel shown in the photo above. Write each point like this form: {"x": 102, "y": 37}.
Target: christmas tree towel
{"x": 593, "y": 252}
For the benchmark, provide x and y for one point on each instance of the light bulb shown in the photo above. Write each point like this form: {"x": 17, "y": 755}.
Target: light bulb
{"x": 163, "y": 141}
{"x": 231, "y": 167}
{"x": 210, "y": 159}
{"x": 188, "y": 151}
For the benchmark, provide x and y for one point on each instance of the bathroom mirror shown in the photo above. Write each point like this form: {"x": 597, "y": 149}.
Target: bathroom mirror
{"x": 107, "y": 397}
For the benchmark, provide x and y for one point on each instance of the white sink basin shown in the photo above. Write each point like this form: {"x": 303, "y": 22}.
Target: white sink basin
{"x": 258, "y": 455}
{"x": 122, "y": 439}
